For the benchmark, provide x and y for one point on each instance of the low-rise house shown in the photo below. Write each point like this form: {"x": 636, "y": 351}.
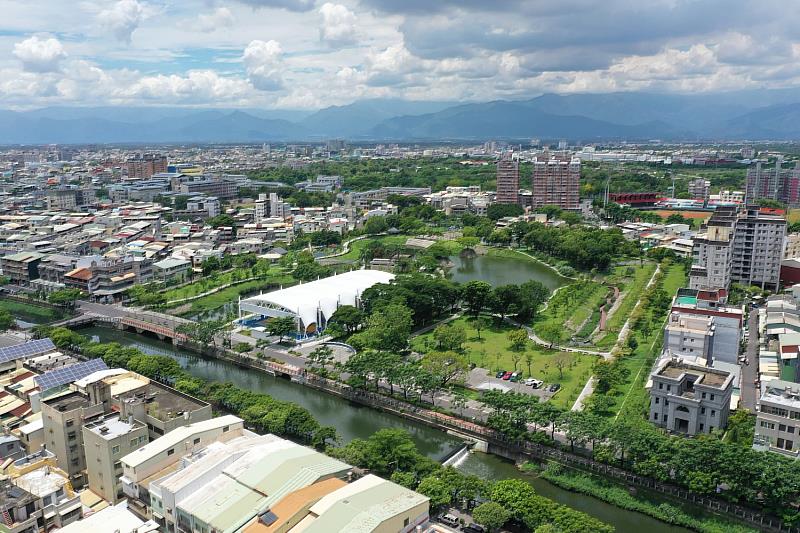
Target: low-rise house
{"x": 778, "y": 419}
{"x": 690, "y": 399}
{"x": 172, "y": 270}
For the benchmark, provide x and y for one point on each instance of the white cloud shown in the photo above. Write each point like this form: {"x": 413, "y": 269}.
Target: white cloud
{"x": 263, "y": 62}
{"x": 123, "y": 18}
{"x": 217, "y": 19}
{"x": 40, "y": 54}
{"x": 196, "y": 86}
{"x": 338, "y": 27}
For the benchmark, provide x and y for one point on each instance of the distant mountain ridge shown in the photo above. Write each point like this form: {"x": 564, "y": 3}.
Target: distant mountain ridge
{"x": 772, "y": 114}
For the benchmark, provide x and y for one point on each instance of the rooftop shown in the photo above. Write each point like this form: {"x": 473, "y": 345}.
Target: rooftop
{"x": 674, "y": 369}
{"x": 68, "y": 402}
{"x": 112, "y": 427}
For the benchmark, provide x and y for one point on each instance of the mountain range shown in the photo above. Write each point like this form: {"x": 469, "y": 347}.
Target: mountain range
{"x": 739, "y": 115}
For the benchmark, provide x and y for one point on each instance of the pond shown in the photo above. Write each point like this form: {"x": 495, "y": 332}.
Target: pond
{"x": 503, "y": 270}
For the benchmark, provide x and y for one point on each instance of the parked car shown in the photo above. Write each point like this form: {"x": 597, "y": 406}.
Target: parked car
{"x": 500, "y": 374}
{"x": 449, "y": 520}
{"x": 474, "y": 528}
{"x": 507, "y": 376}
{"x": 516, "y": 376}
{"x": 529, "y": 382}
{"x": 554, "y": 387}
{"x": 535, "y": 383}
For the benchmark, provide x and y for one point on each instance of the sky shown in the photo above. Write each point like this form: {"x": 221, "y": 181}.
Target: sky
{"x": 307, "y": 54}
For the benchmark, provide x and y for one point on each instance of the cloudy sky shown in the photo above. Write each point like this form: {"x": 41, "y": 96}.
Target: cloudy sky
{"x": 297, "y": 54}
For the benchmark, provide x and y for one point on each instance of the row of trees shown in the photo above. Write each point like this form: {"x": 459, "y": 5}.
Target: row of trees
{"x": 392, "y": 453}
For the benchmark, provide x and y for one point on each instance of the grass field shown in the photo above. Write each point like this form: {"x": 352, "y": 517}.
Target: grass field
{"x": 215, "y": 280}
{"x": 29, "y": 312}
{"x": 631, "y": 287}
{"x": 793, "y": 216}
{"x": 231, "y": 294}
{"x": 492, "y": 351}
{"x": 356, "y": 247}
{"x": 574, "y": 309}
{"x": 632, "y": 393}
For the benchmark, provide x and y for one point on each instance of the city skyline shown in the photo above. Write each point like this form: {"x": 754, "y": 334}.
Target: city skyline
{"x": 305, "y": 54}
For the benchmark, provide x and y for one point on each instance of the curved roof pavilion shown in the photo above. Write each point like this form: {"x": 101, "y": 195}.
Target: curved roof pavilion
{"x": 314, "y": 302}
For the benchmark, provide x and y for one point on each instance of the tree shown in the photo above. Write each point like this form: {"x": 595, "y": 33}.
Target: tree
{"x": 491, "y": 515}
{"x": 222, "y": 220}
{"x": 375, "y": 225}
{"x": 445, "y": 366}
{"x": 322, "y": 436}
{"x": 475, "y": 295}
{"x": 532, "y": 294}
{"x": 437, "y": 490}
{"x": 321, "y": 356}
{"x": 551, "y": 332}
{"x": 561, "y": 361}
{"x": 450, "y": 337}
{"x": 388, "y": 328}
{"x": 348, "y": 317}
{"x": 65, "y": 297}
{"x": 507, "y": 300}
{"x": 498, "y": 211}
{"x": 517, "y": 339}
{"x": 528, "y": 362}
{"x": 480, "y": 324}
{"x": 282, "y": 326}
{"x": 458, "y": 401}
{"x": 6, "y": 320}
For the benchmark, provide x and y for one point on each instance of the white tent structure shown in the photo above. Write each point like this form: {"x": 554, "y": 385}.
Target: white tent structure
{"x": 313, "y": 303}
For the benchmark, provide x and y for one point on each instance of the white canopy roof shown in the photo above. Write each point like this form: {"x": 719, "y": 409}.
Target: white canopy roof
{"x": 326, "y": 294}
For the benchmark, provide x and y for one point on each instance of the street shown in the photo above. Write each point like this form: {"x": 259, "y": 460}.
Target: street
{"x": 749, "y": 391}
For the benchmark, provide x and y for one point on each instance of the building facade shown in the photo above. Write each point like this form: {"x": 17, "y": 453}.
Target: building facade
{"x": 778, "y": 419}
{"x": 143, "y": 167}
{"x": 758, "y": 249}
{"x": 700, "y": 189}
{"x": 776, "y": 183}
{"x": 507, "y": 180}
{"x": 556, "y": 181}
{"x": 690, "y": 399}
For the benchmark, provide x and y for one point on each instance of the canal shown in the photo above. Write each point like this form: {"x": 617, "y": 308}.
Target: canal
{"x": 503, "y": 270}
{"x": 355, "y": 421}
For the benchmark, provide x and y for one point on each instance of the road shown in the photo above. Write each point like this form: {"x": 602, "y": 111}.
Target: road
{"x": 749, "y": 392}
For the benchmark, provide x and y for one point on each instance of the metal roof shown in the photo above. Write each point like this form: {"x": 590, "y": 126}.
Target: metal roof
{"x": 27, "y": 349}
{"x": 69, "y": 374}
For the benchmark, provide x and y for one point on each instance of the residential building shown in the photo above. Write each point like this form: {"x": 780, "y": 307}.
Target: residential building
{"x": 778, "y": 418}
{"x": 121, "y": 519}
{"x": 700, "y": 189}
{"x": 713, "y": 251}
{"x": 152, "y": 458}
{"x": 144, "y": 166}
{"x": 270, "y": 206}
{"x": 507, "y": 179}
{"x": 758, "y": 248}
{"x": 556, "y": 181}
{"x": 172, "y": 270}
{"x": 62, "y": 418}
{"x": 365, "y": 199}
{"x": 689, "y": 337}
{"x": 107, "y": 278}
{"x": 689, "y": 399}
{"x": 777, "y": 183}
{"x": 21, "y": 268}
{"x": 216, "y": 186}
{"x": 726, "y": 321}
{"x": 106, "y": 440}
{"x": 21, "y": 510}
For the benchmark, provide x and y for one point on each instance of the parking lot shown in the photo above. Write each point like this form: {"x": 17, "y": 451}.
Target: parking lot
{"x": 483, "y": 379}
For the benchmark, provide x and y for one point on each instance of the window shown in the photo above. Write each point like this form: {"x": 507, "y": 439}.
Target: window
{"x": 657, "y": 401}
{"x": 655, "y": 416}
{"x": 713, "y": 413}
{"x": 405, "y": 522}
{"x": 225, "y": 429}
{"x": 170, "y": 451}
{"x": 702, "y": 410}
{"x": 703, "y": 395}
{"x": 197, "y": 440}
{"x": 70, "y": 423}
{"x": 712, "y": 396}
{"x": 790, "y": 429}
{"x": 781, "y": 427}
{"x": 789, "y": 445}
{"x": 665, "y": 418}
{"x": 701, "y": 427}
{"x": 780, "y": 443}
{"x": 115, "y": 449}
{"x": 141, "y": 438}
{"x": 668, "y": 387}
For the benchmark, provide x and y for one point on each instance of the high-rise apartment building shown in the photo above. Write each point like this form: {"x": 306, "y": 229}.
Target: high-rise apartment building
{"x": 143, "y": 167}
{"x": 507, "y": 179}
{"x": 556, "y": 181}
{"x": 777, "y": 183}
{"x": 758, "y": 248}
{"x": 738, "y": 246}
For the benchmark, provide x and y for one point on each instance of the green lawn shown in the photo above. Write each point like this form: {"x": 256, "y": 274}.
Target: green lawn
{"x": 30, "y": 312}
{"x": 230, "y": 294}
{"x": 573, "y": 309}
{"x": 491, "y": 351}
{"x": 631, "y": 288}
{"x": 357, "y": 246}
{"x": 213, "y": 281}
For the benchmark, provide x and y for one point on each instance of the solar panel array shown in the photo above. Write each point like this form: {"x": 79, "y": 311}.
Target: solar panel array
{"x": 68, "y": 374}
{"x": 26, "y": 349}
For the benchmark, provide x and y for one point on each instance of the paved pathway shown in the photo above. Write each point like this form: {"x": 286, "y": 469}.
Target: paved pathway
{"x": 749, "y": 391}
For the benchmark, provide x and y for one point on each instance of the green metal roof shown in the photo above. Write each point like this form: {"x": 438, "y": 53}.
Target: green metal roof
{"x": 687, "y": 300}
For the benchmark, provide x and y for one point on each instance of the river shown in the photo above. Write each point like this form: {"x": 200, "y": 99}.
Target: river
{"x": 501, "y": 270}
{"x": 355, "y": 421}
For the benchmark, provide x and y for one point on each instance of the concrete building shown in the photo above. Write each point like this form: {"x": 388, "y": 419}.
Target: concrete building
{"x": 21, "y": 268}
{"x": 144, "y": 166}
{"x": 758, "y": 248}
{"x": 700, "y": 189}
{"x": 364, "y": 199}
{"x": 689, "y": 399}
{"x": 154, "y": 457}
{"x": 270, "y": 206}
{"x": 556, "y": 181}
{"x": 778, "y": 418}
{"x": 172, "y": 270}
{"x": 216, "y": 186}
{"x": 21, "y": 510}
{"x": 106, "y": 278}
{"x": 62, "y": 418}
{"x": 507, "y": 179}
{"x": 689, "y": 337}
{"x": 726, "y": 321}
{"x": 777, "y": 183}
{"x": 106, "y": 440}
{"x": 713, "y": 251}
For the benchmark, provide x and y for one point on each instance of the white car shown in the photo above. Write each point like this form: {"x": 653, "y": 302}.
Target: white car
{"x": 535, "y": 383}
